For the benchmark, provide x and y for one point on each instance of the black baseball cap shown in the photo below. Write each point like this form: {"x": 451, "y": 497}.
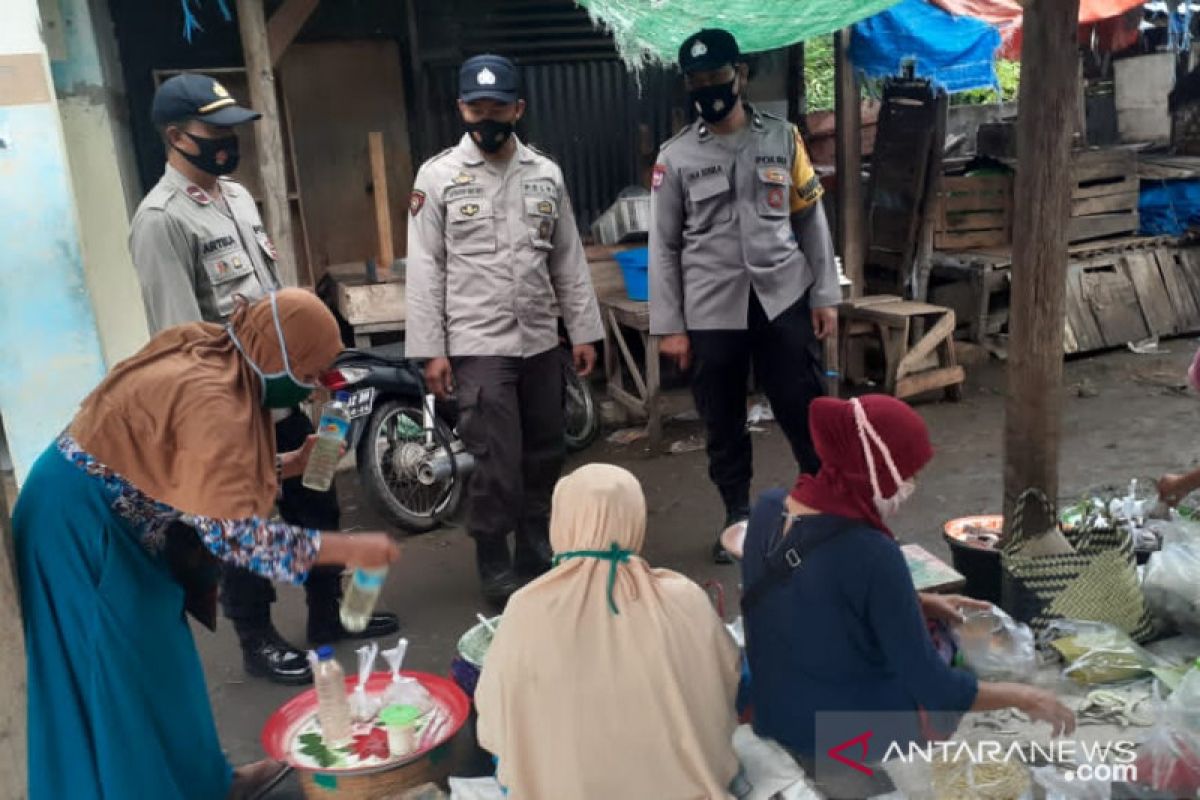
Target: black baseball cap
{"x": 193, "y": 96}
{"x": 711, "y": 48}
{"x": 489, "y": 76}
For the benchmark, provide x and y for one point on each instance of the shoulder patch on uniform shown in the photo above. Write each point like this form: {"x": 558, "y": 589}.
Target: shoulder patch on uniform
{"x": 770, "y": 116}
{"x": 656, "y": 178}
{"x": 416, "y": 201}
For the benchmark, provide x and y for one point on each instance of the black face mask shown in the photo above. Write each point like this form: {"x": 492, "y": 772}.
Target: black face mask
{"x": 217, "y": 156}
{"x": 714, "y": 102}
{"x": 492, "y": 134}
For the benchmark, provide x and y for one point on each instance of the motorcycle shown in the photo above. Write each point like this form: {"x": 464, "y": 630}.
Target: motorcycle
{"x": 411, "y": 462}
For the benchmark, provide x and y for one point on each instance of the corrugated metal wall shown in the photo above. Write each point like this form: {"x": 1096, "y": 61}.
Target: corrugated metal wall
{"x": 584, "y": 108}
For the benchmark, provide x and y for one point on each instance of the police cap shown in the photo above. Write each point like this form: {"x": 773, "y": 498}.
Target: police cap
{"x": 489, "y": 76}
{"x": 711, "y": 48}
{"x": 193, "y": 96}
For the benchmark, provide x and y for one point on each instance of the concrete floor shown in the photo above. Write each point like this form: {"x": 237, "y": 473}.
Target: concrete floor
{"x": 1126, "y": 416}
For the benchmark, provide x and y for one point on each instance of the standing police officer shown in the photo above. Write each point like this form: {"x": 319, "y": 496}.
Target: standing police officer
{"x": 198, "y": 243}
{"x": 492, "y": 250}
{"x": 742, "y": 269}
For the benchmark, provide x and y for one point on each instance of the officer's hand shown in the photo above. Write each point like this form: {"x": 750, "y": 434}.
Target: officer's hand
{"x": 825, "y": 322}
{"x": 677, "y": 347}
{"x": 438, "y": 377}
{"x": 584, "y": 356}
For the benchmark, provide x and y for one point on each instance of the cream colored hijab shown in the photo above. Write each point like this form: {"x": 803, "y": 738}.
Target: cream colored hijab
{"x": 578, "y": 702}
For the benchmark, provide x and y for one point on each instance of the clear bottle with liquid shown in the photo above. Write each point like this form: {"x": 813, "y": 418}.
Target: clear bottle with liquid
{"x": 358, "y": 601}
{"x": 333, "y": 703}
{"x": 331, "y": 433}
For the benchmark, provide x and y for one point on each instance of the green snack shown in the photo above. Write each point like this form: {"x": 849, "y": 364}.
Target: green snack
{"x": 1102, "y": 657}
{"x": 399, "y": 716}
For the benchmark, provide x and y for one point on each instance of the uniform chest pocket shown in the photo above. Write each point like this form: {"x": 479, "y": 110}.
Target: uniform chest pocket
{"x": 710, "y": 200}
{"x": 227, "y": 267}
{"x": 541, "y": 213}
{"x": 773, "y": 189}
{"x": 471, "y": 226}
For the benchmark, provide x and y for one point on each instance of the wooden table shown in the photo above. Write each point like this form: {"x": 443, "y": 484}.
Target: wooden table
{"x": 619, "y": 313}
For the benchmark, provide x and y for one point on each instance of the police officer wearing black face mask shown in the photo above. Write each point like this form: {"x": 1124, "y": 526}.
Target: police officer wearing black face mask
{"x": 198, "y": 244}
{"x": 742, "y": 271}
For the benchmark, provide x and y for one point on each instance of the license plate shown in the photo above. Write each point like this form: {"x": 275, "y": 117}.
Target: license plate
{"x": 361, "y": 403}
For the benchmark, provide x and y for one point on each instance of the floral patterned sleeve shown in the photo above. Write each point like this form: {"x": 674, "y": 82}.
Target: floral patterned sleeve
{"x": 275, "y": 550}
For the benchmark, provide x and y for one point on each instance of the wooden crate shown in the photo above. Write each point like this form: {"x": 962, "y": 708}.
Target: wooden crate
{"x": 1104, "y": 194}
{"x": 973, "y": 211}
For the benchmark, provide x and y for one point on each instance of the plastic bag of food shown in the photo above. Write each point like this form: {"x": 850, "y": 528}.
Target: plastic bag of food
{"x": 1172, "y": 579}
{"x": 1061, "y": 785}
{"x": 1168, "y": 761}
{"x": 995, "y": 646}
{"x": 966, "y": 779}
{"x": 1097, "y": 653}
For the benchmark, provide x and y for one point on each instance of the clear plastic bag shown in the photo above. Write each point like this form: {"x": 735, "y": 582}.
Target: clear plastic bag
{"x": 996, "y": 647}
{"x": 1097, "y": 653}
{"x": 1172, "y": 578}
{"x": 1168, "y": 760}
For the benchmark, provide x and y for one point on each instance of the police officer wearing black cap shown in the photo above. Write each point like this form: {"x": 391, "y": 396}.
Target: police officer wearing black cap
{"x": 742, "y": 270}
{"x": 493, "y": 255}
{"x": 198, "y": 243}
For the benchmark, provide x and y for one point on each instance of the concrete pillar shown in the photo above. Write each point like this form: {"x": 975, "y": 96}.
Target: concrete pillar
{"x": 91, "y": 103}
{"x": 50, "y": 355}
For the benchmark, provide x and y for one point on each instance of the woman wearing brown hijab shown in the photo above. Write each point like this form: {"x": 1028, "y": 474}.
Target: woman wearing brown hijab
{"x": 608, "y": 678}
{"x": 169, "y": 463}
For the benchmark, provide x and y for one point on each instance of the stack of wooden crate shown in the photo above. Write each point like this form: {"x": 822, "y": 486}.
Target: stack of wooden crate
{"x": 973, "y": 211}
{"x": 1104, "y": 194}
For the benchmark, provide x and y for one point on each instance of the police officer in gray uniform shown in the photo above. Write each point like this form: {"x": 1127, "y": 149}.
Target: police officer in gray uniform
{"x": 493, "y": 253}
{"x": 198, "y": 243}
{"x": 742, "y": 270}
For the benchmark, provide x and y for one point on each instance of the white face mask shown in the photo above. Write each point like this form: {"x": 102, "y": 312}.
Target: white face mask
{"x": 867, "y": 435}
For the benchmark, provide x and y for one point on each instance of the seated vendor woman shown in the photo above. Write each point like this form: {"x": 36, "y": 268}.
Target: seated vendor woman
{"x": 833, "y": 623}
{"x": 608, "y": 678}
{"x": 168, "y": 469}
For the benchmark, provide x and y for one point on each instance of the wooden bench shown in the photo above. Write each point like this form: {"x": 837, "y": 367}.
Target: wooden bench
{"x": 897, "y": 323}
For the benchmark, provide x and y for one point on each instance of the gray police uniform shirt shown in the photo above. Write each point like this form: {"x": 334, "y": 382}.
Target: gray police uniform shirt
{"x": 193, "y": 255}
{"x": 724, "y": 218}
{"x": 493, "y": 255}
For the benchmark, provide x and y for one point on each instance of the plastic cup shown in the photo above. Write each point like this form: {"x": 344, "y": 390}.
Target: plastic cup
{"x": 401, "y": 725}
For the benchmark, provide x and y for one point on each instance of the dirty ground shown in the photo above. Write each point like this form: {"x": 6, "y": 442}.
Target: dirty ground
{"x": 1126, "y": 415}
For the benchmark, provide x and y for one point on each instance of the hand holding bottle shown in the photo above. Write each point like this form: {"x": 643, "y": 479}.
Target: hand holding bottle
{"x": 371, "y": 550}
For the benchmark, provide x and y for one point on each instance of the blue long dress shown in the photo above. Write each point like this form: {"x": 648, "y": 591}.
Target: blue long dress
{"x": 840, "y": 647}
{"x": 118, "y": 707}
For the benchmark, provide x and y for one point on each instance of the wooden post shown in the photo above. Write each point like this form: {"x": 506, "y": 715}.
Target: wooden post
{"x": 383, "y": 212}
{"x": 269, "y": 137}
{"x": 12, "y": 667}
{"x": 1045, "y": 125}
{"x": 797, "y": 93}
{"x": 848, "y": 112}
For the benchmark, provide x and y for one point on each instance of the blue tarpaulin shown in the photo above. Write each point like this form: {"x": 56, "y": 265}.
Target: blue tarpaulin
{"x": 955, "y": 53}
{"x": 1166, "y": 208}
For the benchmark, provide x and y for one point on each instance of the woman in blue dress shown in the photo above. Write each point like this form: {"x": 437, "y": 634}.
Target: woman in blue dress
{"x": 169, "y": 466}
{"x": 836, "y": 635}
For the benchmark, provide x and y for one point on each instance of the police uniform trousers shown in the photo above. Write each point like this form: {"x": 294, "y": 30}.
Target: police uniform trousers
{"x": 245, "y": 597}
{"x": 786, "y": 356}
{"x": 512, "y": 422}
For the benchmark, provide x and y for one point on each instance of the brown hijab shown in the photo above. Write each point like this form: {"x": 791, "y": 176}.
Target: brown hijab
{"x": 183, "y": 419}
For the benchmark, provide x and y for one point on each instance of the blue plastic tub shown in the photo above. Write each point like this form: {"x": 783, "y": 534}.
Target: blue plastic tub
{"x": 635, "y": 268}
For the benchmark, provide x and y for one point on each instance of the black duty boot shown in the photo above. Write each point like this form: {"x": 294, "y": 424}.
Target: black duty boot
{"x": 534, "y": 556}
{"x": 265, "y": 654}
{"x": 496, "y": 576}
{"x": 732, "y": 517}
{"x": 329, "y": 631}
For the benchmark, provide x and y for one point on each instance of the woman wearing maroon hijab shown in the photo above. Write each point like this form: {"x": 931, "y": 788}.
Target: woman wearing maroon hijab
{"x": 833, "y": 623}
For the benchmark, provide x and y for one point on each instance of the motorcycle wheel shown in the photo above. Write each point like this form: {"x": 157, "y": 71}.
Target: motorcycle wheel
{"x": 582, "y": 415}
{"x": 395, "y": 444}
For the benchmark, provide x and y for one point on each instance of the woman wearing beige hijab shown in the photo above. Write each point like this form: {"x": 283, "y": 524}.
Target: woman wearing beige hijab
{"x": 169, "y": 465}
{"x": 609, "y": 679}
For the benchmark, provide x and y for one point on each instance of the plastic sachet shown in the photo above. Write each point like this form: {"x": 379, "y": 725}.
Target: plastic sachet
{"x": 364, "y": 707}
{"x": 1097, "y": 653}
{"x": 996, "y": 647}
{"x": 403, "y": 691}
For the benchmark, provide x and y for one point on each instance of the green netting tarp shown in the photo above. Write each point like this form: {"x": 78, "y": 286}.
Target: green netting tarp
{"x": 652, "y": 30}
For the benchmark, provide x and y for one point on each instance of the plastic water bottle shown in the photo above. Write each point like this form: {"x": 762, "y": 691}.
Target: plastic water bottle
{"x": 333, "y": 704}
{"x": 331, "y": 433}
{"x": 358, "y": 603}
